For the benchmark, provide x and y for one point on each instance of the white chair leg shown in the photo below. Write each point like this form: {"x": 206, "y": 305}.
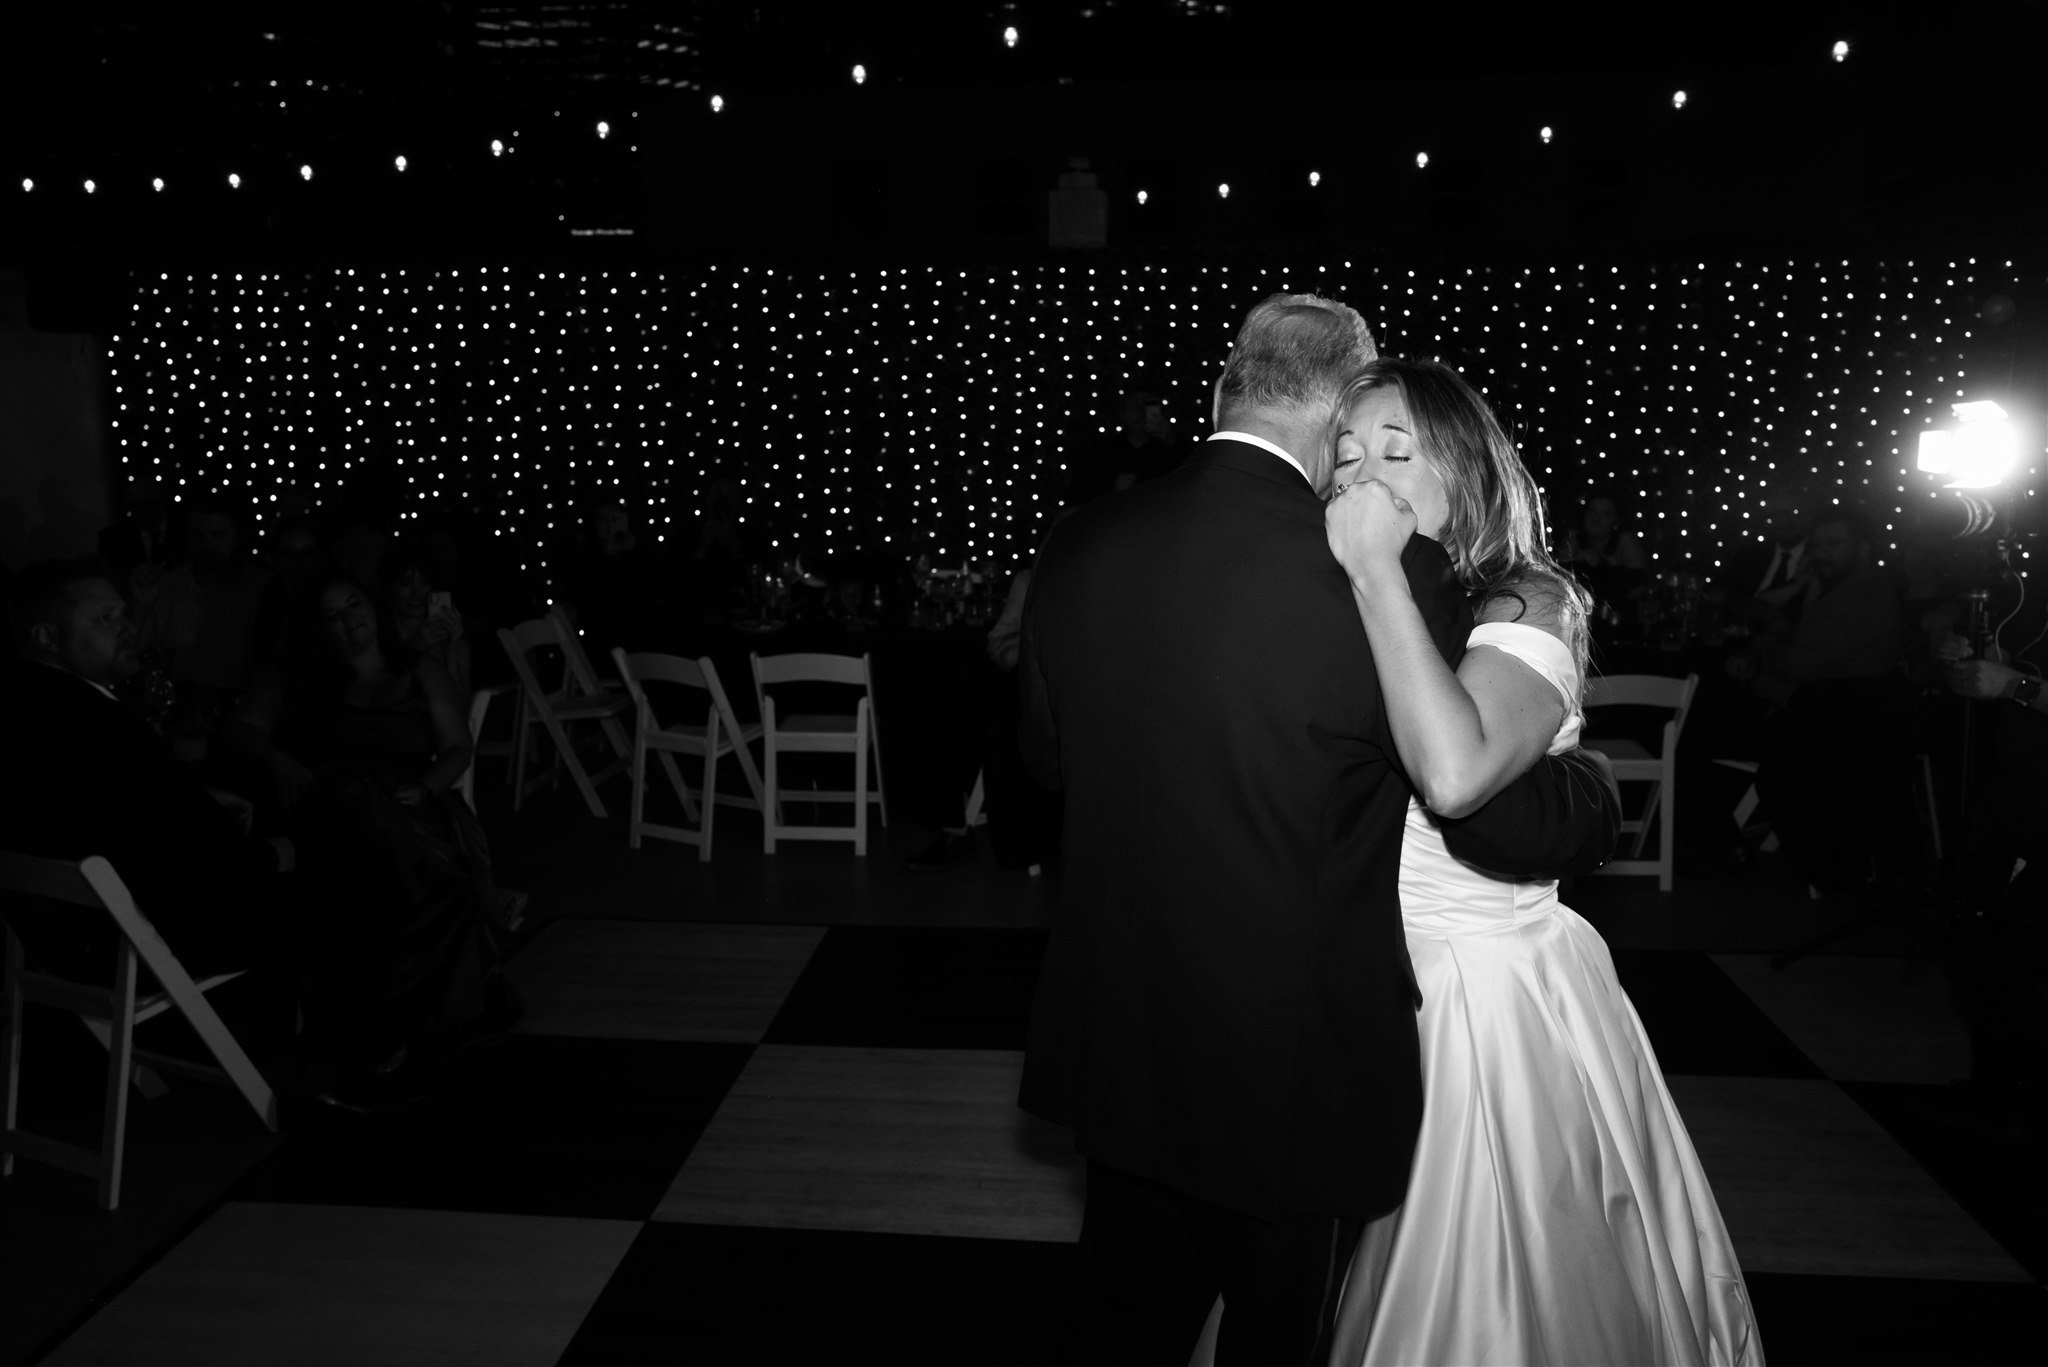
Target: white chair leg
{"x": 710, "y": 802}
{"x": 682, "y": 789}
{"x": 1668, "y": 850}
{"x": 771, "y": 805}
{"x": 565, "y": 753}
{"x": 120, "y": 1061}
{"x": 522, "y": 729}
{"x": 11, "y": 1060}
{"x": 636, "y": 817}
{"x": 860, "y": 783}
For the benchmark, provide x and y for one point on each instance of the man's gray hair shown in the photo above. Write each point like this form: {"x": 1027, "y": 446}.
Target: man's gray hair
{"x": 1295, "y": 353}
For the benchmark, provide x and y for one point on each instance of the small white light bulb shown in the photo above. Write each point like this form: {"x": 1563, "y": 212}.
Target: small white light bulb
{"x": 234, "y": 180}
{"x": 1545, "y": 135}
{"x": 157, "y": 184}
{"x": 1678, "y": 99}
{"x": 497, "y": 148}
{"x": 399, "y": 161}
{"x": 860, "y": 74}
{"x": 1010, "y": 36}
{"x": 1841, "y": 49}
{"x": 1315, "y": 178}
{"x": 717, "y": 104}
{"x": 1421, "y": 160}
{"x": 1223, "y": 191}
{"x": 604, "y": 130}
{"x": 27, "y": 184}
{"x": 1142, "y": 196}
{"x": 305, "y": 173}
{"x": 90, "y": 187}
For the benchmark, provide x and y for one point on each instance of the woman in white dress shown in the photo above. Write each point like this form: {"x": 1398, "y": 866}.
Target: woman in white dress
{"x": 1556, "y": 1211}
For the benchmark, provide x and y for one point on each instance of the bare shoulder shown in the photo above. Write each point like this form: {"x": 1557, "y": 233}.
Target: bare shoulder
{"x": 1538, "y": 605}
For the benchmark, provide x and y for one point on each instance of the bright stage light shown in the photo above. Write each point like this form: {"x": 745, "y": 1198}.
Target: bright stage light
{"x": 1978, "y": 453}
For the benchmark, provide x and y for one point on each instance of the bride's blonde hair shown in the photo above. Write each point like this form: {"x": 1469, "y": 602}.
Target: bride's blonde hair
{"x": 1495, "y": 533}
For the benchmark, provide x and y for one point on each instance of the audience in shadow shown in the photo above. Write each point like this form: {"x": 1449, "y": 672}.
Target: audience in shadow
{"x": 202, "y": 617}
{"x": 377, "y": 985}
{"x": 618, "y": 583}
{"x": 1828, "y": 668}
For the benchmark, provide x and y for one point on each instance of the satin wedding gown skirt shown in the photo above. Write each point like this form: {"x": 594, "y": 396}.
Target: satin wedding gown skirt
{"x": 1556, "y": 1211}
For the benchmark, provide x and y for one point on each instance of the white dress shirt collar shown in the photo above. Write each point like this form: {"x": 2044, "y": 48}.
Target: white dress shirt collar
{"x": 1265, "y": 445}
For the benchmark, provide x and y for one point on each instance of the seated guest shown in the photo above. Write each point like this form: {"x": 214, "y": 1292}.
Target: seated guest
{"x": 1832, "y": 773}
{"x": 365, "y": 740}
{"x": 425, "y": 619}
{"x": 204, "y": 614}
{"x": 618, "y": 583}
{"x": 85, "y": 776}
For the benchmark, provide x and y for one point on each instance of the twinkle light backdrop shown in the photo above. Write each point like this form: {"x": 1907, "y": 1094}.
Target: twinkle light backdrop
{"x": 903, "y": 410}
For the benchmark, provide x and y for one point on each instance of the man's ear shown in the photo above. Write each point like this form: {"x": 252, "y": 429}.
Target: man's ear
{"x": 1216, "y": 405}
{"x": 44, "y": 638}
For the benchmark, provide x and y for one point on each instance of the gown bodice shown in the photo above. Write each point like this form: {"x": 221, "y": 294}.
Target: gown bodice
{"x": 1441, "y": 894}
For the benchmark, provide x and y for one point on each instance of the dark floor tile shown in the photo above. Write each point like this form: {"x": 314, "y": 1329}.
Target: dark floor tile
{"x": 709, "y": 1295}
{"x": 533, "y": 1125}
{"x": 61, "y": 1256}
{"x": 1979, "y": 1158}
{"x": 905, "y": 987}
{"x": 1827, "y": 1321}
{"x": 1701, "y": 1022}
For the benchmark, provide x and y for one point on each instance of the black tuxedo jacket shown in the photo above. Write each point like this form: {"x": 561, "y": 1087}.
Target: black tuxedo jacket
{"x": 84, "y": 775}
{"x": 1226, "y": 1005}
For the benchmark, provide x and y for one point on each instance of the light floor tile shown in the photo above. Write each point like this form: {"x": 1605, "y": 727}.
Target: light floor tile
{"x": 316, "y": 1285}
{"x": 1861, "y": 1019}
{"x": 659, "y": 980}
{"x": 1807, "y": 1182}
{"x": 894, "y": 1141}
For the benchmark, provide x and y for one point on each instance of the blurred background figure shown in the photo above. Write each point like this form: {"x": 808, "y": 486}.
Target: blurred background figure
{"x": 1142, "y": 447}
{"x": 1608, "y": 557}
{"x": 202, "y": 617}
{"x": 425, "y": 618}
{"x": 1758, "y": 574}
{"x": 619, "y": 582}
{"x": 1833, "y": 777}
{"x": 136, "y": 546}
{"x": 715, "y": 579}
{"x": 1599, "y": 537}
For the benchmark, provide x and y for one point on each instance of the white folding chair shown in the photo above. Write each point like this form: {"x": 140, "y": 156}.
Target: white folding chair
{"x": 580, "y": 698}
{"x": 834, "y": 733}
{"x": 1634, "y": 763}
{"x": 111, "y": 1013}
{"x": 479, "y": 709}
{"x": 718, "y": 735}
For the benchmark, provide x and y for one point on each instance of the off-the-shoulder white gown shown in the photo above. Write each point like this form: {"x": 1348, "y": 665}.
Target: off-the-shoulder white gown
{"x": 1556, "y": 1210}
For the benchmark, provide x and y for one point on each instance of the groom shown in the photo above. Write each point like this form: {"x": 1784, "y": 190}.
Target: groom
{"x": 1226, "y": 1014}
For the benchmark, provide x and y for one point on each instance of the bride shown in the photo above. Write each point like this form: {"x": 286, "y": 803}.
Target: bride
{"x": 1556, "y": 1211}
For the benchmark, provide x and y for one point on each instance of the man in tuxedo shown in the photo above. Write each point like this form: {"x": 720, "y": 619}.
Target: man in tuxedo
{"x": 1226, "y": 1014}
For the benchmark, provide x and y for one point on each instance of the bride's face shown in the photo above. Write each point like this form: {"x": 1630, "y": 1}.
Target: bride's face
{"x": 1377, "y": 441}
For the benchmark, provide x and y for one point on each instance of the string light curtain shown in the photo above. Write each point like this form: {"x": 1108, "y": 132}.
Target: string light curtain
{"x": 895, "y": 411}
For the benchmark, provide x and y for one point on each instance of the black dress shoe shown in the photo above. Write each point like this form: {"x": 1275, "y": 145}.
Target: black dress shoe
{"x": 944, "y": 853}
